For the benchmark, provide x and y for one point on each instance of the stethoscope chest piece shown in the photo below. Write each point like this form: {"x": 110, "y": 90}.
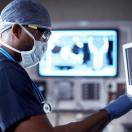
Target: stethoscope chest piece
{"x": 46, "y": 107}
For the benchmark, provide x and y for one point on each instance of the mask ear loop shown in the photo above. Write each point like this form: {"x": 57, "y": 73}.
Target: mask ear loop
{"x": 8, "y": 46}
{"x": 30, "y": 35}
{"x": 25, "y": 52}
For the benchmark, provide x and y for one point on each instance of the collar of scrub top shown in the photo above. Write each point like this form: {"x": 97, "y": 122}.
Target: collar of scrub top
{"x": 47, "y": 107}
{"x": 5, "y": 53}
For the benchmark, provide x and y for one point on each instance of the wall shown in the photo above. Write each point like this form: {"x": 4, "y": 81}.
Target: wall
{"x": 90, "y": 10}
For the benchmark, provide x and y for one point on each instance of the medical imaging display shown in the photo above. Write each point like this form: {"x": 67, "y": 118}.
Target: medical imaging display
{"x": 81, "y": 53}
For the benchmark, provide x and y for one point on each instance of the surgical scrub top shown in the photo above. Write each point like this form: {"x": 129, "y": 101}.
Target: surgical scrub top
{"x": 17, "y": 98}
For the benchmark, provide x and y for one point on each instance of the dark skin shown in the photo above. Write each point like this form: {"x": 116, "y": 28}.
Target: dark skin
{"x": 40, "y": 123}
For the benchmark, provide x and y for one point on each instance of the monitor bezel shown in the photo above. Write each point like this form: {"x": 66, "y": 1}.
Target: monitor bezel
{"x": 85, "y": 29}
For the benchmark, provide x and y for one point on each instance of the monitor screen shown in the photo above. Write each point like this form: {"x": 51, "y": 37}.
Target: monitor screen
{"x": 127, "y": 53}
{"x": 81, "y": 52}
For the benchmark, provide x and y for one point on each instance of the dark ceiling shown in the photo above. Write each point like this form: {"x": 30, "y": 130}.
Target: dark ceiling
{"x": 91, "y": 10}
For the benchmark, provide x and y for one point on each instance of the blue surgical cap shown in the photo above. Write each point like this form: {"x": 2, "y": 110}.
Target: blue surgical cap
{"x": 26, "y": 12}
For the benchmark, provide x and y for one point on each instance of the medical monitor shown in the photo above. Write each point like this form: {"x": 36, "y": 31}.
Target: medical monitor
{"x": 81, "y": 53}
{"x": 127, "y": 54}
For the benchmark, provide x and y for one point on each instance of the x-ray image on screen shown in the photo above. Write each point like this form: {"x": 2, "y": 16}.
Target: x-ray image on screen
{"x": 81, "y": 53}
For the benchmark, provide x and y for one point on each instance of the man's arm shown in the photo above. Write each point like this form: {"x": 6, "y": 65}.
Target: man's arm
{"x": 93, "y": 123}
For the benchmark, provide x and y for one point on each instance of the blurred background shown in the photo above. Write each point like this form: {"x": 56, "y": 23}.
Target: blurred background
{"x": 83, "y": 69}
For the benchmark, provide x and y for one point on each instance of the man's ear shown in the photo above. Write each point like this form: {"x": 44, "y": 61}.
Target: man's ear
{"x": 16, "y": 30}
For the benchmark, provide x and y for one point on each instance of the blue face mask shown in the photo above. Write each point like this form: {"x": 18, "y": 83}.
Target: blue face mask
{"x": 32, "y": 57}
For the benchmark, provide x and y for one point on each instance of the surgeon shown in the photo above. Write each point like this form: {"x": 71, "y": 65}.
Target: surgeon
{"x": 25, "y": 28}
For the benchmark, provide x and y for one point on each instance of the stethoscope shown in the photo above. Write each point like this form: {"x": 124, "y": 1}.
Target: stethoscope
{"x": 38, "y": 94}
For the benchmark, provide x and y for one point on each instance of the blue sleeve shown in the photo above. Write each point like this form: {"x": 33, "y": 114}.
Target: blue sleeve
{"x": 17, "y": 100}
